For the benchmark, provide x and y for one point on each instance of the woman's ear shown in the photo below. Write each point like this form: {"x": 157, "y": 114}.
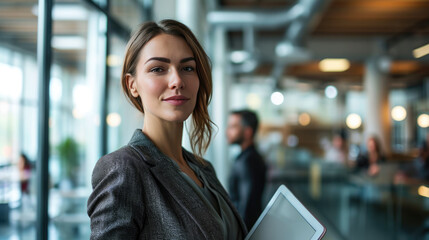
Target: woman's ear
{"x": 132, "y": 85}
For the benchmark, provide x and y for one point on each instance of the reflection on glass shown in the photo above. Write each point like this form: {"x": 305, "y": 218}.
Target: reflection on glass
{"x": 77, "y": 73}
{"x": 18, "y": 119}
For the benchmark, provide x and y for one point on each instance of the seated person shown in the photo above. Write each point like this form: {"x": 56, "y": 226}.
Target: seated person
{"x": 370, "y": 160}
{"x": 337, "y": 152}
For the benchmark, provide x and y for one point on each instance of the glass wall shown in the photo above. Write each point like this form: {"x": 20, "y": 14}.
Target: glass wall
{"x": 80, "y": 61}
{"x": 77, "y": 76}
{"x": 122, "y": 117}
{"x": 18, "y": 116}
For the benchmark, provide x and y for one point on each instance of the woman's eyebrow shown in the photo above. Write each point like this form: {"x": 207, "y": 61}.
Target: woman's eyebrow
{"x": 187, "y": 59}
{"x": 161, "y": 59}
{"x": 166, "y": 60}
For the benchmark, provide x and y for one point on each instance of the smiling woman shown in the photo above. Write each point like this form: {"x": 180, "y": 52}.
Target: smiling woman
{"x": 154, "y": 188}
{"x": 166, "y": 80}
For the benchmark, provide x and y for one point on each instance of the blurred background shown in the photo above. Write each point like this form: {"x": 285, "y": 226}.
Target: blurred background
{"x": 331, "y": 80}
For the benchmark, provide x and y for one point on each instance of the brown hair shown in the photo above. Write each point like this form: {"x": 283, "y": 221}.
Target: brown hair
{"x": 377, "y": 144}
{"x": 201, "y": 131}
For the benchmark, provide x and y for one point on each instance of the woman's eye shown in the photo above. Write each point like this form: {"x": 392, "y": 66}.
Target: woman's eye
{"x": 188, "y": 69}
{"x": 156, "y": 69}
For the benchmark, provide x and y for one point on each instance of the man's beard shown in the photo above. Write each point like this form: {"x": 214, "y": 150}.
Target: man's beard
{"x": 239, "y": 140}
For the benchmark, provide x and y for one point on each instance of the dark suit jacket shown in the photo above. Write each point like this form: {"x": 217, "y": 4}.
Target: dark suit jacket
{"x": 138, "y": 194}
{"x": 246, "y": 184}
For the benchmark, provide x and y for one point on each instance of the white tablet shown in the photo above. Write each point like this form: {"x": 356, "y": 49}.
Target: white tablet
{"x": 286, "y": 218}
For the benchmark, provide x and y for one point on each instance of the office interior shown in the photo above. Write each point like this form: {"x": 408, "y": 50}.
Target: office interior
{"x": 312, "y": 70}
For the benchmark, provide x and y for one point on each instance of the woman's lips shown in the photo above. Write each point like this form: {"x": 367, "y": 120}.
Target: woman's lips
{"x": 176, "y": 100}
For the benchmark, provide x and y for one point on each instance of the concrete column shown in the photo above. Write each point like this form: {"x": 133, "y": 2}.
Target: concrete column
{"x": 192, "y": 14}
{"x": 377, "y": 120}
{"x": 218, "y": 152}
{"x": 188, "y": 12}
{"x": 90, "y": 132}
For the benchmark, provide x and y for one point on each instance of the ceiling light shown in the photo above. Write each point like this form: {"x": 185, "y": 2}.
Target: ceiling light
{"x": 423, "y": 120}
{"x": 423, "y": 191}
{"x": 331, "y": 92}
{"x": 253, "y": 101}
{"x": 421, "y": 51}
{"x": 399, "y": 113}
{"x": 239, "y": 56}
{"x": 113, "y": 60}
{"x": 304, "y": 119}
{"x": 277, "y": 98}
{"x": 353, "y": 121}
{"x": 334, "y": 65}
{"x": 113, "y": 119}
{"x": 68, "y": 42}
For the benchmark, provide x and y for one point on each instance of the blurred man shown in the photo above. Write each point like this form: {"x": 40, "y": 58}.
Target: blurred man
{"x": 247, "y": 179}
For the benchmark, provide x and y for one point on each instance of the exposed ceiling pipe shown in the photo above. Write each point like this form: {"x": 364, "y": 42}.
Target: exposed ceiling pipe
{"x": 258, "y": 19}
{"x": 292, "y": 49}
{"x": 298, "y": 16}
{"x": 249, "y": 21}
{"x": 250, "y": 60}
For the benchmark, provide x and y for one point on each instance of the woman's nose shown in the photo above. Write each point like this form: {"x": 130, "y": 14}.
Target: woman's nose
{"x": 176, "y": 81}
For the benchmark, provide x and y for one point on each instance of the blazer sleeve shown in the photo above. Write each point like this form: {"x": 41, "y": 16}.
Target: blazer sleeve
{"x": 115, "y": 206}
{"x": 244, "y": 188}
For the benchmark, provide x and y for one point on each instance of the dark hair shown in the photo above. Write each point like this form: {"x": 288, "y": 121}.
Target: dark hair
{"x": 248, "y": 119}
{"x": 342, "y": 133}
{"x": 377, "y": 144}
{"x": 201, "y": 130}
{"x": 27, "y": 163}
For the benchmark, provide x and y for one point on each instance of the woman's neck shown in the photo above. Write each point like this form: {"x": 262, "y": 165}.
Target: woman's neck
{"x": 167, "y": 136}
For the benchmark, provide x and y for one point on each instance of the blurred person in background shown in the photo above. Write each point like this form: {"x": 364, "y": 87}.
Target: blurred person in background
{"x": 337, "y": 151}
{"x": 24, "y": 168}
{"x": 370, "y": 160}
{"x": 153, "y": 188}
{"x": 248, "y": 173}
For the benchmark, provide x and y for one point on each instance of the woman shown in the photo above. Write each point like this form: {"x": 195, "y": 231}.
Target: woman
{"x": 371, "y": 160}
{"x": 24, "y": 166}
{"x": 153, "y": 188}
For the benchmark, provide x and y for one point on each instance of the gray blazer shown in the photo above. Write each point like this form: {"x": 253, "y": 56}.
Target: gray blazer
{"x": 138, "y": 194}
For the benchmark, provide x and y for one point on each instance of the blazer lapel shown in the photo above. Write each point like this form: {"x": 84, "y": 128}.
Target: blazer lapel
{"x": 176, "y": 186}
{"x": 166, "y": 173}
{"x": 184, "y": 195}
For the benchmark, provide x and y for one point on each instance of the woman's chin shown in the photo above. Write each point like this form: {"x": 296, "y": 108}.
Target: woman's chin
{"x": 179, "y": 118}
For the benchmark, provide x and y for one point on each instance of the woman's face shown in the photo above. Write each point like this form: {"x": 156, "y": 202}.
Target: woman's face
{"x": 372, "y": 146}
{"x": 166, "y": 79}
